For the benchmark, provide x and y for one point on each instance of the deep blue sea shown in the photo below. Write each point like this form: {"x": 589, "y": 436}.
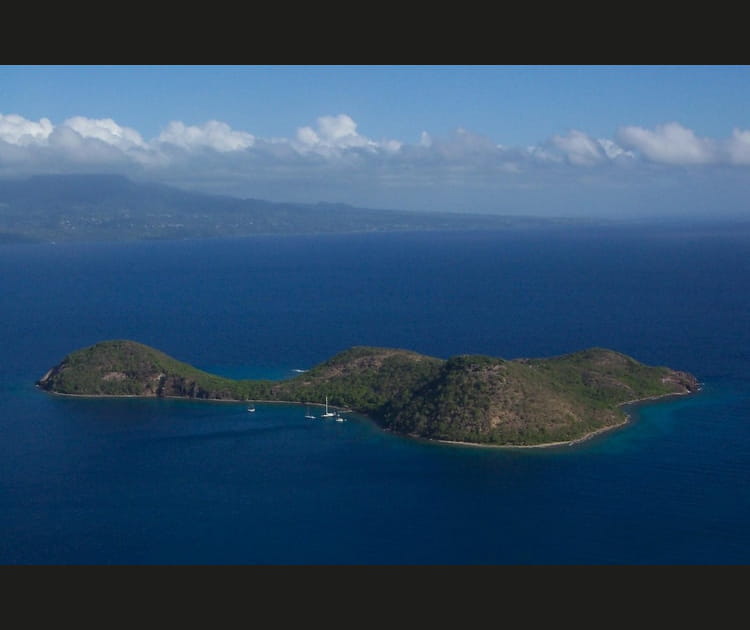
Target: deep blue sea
{"x": 127, "y": 481}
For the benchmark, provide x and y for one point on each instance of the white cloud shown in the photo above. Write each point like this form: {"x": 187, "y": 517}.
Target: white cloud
{"x": 106, "y": 130}
{"x": 391, "y": 146}
{"x": 738, "y": 147}
{"x": 15, "y": 129}
{"x": 670, "y": 144}
{"x": 334, "y": 133}
{"x": 332, "y": 154}
{"x": 65, "y": 144}
{"x": 614, "y": 151}
{"x": 541, "y": 154}
{"x": 579, "y": 148}
{"x": 213, "y": 134}
{"x": 307, "y": 137}
{"x": 336, "y": 137}
{"x": 340, "y": 131}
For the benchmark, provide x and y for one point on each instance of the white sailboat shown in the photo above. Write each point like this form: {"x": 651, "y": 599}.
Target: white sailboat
{"x": 308, "y": 415}
{"x": 327, "y": 414}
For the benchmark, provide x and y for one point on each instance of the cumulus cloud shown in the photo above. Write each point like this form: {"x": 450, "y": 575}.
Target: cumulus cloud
{"x": 333, "y": 150}
{"x": 67, "y": 144}
{"x": 540, "y": 154}
{"x": 336, "y": 134}
{"x": 213, "y": 134}
{"x": 461, "y": 157}
{"x": 105, "y": 130}
{"x": 612, "y": 150}
{"x": 15, "y": 129}
{"x": 579, "y": 148}
{"x": 333, "y": 134}
{"x": 738, "y": 147}
{"x": 669, "y": 144}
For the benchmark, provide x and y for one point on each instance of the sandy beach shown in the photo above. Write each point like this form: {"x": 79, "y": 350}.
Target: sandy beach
{"x": 583, "y": 438}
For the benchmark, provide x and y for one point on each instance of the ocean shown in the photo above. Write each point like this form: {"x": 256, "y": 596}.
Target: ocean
{"x": 130, "y": 481}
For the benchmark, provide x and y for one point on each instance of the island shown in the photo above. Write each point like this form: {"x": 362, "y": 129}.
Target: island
{"x": 469, "y": 399}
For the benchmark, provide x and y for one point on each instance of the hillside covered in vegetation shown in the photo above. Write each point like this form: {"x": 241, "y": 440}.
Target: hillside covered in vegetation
{"x": 467, "y": 398}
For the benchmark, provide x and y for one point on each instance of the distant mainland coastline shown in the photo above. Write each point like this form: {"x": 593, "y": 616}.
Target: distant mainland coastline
{"x": 84, "y": 208}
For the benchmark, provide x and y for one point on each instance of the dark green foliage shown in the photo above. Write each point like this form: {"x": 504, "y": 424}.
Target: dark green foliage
{"x": 127, "y": 368}
{"x": 361, "y": 378}
{"x": 469, "y": 398}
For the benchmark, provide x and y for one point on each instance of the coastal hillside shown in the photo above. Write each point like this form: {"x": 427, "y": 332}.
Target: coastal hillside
{"x": 80, "y": 208}
{"x": 467, "y": 398}
{"x": 530, "y": 401}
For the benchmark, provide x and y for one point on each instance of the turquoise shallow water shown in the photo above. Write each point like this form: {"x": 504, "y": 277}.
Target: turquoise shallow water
{"x": 176, "y": 482}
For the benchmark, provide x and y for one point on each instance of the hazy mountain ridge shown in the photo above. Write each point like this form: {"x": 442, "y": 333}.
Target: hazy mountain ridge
{"x": 113, "y": 207}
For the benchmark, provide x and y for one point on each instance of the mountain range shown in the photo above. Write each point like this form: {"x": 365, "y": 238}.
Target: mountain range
{"x": 97, "y": 207}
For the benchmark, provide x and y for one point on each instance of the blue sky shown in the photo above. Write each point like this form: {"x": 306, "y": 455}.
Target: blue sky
{"x": 544, "y": 140}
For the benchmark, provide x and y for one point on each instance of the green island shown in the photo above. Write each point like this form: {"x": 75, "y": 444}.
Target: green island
{"x": 472, "y": 399}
